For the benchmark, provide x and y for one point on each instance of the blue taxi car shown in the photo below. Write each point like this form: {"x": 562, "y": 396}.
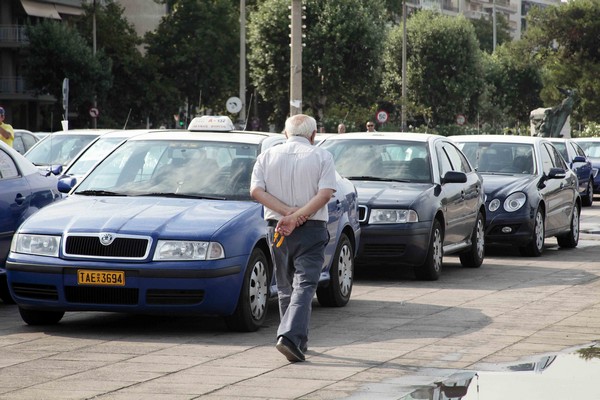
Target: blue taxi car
{"x": 165, "y": 224}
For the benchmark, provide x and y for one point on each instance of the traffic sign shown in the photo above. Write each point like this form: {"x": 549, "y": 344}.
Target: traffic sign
{"x": 461, "y": 119}
{"x": 382, "y": 116}
{"x": 94, "y": 112}
{"x": 234, "y": 105}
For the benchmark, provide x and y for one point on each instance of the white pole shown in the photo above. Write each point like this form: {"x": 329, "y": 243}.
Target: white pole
{"x": 242, "y": 114}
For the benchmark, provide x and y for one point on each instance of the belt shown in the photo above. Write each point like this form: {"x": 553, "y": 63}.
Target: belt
{"x": 311, "y": 222}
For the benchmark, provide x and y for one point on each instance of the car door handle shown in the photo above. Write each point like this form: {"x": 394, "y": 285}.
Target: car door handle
{"x": 19, "y": 199}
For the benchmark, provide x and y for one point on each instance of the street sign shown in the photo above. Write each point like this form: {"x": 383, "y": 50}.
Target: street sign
{"x": 234, "y": 105}
{"x": 94, "y": 112}
{"x": 65, "y": 95}
{"x": 382, "y": 116}
{"x": 460, "y": 119}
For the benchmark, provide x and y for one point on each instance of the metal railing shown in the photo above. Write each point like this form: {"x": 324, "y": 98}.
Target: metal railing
{"x": 13, "y": 34}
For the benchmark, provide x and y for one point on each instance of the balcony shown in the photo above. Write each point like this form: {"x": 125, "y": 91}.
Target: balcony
{"x": 12, "y": 85}
{"x": 13, "y": 35}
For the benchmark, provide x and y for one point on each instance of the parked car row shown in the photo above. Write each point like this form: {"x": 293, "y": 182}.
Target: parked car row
{"x": 161, "y": 221}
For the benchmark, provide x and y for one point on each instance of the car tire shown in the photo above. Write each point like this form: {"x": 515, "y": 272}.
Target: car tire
{"x": 473, "y": 258}
{"x": 40, "y": 317}
{"x": 431, "y": 269}
{"x": 570, "y": 239}
{"x": 4, "y": 292}
{"x": 535, "y": 247}
{"x": 341, "y": 276}
{"x": 588, "y": 199}
{"x": 251, "y": 310}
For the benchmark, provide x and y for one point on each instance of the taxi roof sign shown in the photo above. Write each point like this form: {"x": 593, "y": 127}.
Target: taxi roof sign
{"x": 211, "y": 123}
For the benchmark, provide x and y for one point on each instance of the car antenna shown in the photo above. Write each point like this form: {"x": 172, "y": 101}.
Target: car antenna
{"x": 127, "y": 120}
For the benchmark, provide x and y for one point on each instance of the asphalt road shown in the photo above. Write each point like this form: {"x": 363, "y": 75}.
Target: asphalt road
{"x": 394, "y": 332}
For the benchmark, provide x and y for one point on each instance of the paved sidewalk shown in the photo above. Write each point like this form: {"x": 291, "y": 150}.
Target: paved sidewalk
{"x": 512, "y": 307}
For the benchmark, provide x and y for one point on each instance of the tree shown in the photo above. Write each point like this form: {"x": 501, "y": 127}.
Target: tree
{"x": 564, "y": 39}
{"x": 484, "y": 30}
{"x": 196, "y": 48}
{"x": 340, "y": 62}
{"x": 57, "y": 51}
{"x": 444, "y": 70}
{"x": 133, "y": 90}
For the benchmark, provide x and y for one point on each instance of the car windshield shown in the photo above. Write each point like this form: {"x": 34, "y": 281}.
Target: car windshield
{"x": 503, "y": 158}
{"x": 58, "y": 149}
{"x": 592, "y": 149}
{"x": 186, "y": 168}
{"x": 395, "y": 160}
{"x": 97, "y": 151}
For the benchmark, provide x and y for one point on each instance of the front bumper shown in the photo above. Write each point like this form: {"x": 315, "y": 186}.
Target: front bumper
{"x": 165, "y": 287}
{"x": 511, "y": 228}
{"x": 399, "y": 244}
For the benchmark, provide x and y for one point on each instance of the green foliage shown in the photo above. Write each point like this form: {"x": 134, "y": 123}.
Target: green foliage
{"x": 565, "y": 41}
{"x": 484, "y": 29}
{"x": 195, "y": 50}
{"x": 444, "y": 70}
{"x": 340, "y": 63}
{"x": 57, "y": 51}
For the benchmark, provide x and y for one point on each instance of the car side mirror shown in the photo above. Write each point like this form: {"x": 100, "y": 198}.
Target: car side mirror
{"x": 557, "y": 173}
{"x": 454, "y": 177}
{"x": 578, "y": 159}
{"x": 54, "y": 170}
{"x": 66, "y": 184}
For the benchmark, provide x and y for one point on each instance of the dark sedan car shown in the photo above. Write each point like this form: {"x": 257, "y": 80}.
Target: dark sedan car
{"x": 419, "y": 199}
{"x": 23, "y": 191}
{"x": 591, "y": 147}
{"x": 531, "y": 193}
{"x": 579, "y": 162}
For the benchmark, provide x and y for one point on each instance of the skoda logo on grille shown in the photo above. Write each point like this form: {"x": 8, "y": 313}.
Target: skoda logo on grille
{"x": 106, "y": 238}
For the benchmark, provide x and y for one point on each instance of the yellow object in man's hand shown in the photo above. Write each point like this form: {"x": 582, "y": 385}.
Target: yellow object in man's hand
{"x": 276, "y": 236}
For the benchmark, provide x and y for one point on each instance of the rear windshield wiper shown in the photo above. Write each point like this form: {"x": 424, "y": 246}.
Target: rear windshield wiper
{"x": 100, "y": 193}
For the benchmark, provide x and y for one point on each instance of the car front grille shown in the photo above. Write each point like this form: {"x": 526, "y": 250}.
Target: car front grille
{"x": 384, "y": 250}
{"x": 122, "y": 247}
{"x": 174, "y": 296}
{"x": 34, "y": 291}
{"x": 101, "y": 295}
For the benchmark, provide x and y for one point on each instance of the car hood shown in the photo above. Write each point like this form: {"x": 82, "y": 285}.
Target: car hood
{"x": 397, "y": 193}
{"x": 155, "y": 216}
{"x": 504, "y": 185}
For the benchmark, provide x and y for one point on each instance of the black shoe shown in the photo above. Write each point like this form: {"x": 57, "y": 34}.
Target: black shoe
{"x": 289, "y": 349}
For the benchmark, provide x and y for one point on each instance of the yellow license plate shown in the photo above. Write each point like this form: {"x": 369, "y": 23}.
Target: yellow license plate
{"x": 102, "y": 278}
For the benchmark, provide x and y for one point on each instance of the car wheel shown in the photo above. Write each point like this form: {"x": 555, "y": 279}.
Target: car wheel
{"x": 473, "y": 258}
{"x": 251, "y": 310}
{"x": 588, "y": 199}
{"x": 432, "y": 268}
{"x": 535, "y": 247}
{"x": 4, "y": 292}
{"x": 341, "y": 276}
{"x": 40, "y": 317}
{"x": 571, "y": 239}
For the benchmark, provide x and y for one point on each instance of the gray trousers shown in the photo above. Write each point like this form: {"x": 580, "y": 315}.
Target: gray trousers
{"x": 298, "y": 264}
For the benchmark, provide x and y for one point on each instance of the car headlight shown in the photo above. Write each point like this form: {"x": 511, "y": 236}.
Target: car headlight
{"x": 494, "y": 205}
{"x": 383, "y": 216}
{"x": 514, "y": 201}
{"x": 182, "y": 250}
{"x": 40, "y": 245}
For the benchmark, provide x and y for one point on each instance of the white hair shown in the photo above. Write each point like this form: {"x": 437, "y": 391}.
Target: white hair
{"x": 300, "y": 125}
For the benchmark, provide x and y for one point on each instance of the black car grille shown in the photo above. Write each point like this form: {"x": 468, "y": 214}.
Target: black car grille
{"x": 362, "y": 213}
{"x": 101, "y": 295}
{"x": 174, "y": 296}
{"x": 121, "y": 247}
{"x": 384, "y": 250}
{"x": 33, "y": 291}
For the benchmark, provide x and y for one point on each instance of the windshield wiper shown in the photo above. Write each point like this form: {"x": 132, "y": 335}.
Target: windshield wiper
{"x": 100, "y": 193}
{"x": 182, "y": 195}
{"x": 376, "y": 178}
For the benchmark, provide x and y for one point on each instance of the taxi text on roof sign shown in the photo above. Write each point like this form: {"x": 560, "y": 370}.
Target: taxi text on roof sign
{"x": 211, "y": 123}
